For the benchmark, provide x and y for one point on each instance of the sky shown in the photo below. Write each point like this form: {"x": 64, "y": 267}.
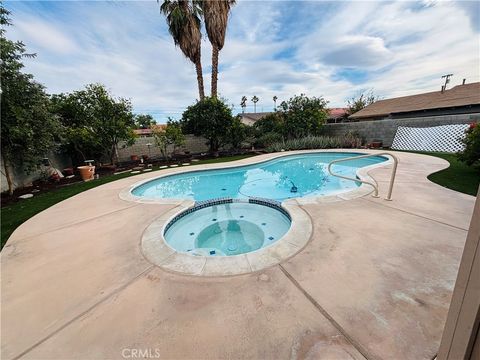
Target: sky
{"x": 334, "y": 49}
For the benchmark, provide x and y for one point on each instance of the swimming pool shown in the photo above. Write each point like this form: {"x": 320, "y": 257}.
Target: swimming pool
{"x": 282, "y": 178}
{"x": 227, "y": 227}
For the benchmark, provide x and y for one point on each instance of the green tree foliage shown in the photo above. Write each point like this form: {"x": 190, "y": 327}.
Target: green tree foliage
{"x": 238, "y": 133}
{"x": 360, "y": 101}
{"x": 210, "y": 118}
{"x": 95, "y": 121}
{"x": 302, "y": 116}
{"x": 28, "y": 129}
{"x": 170, "y": 135}
{"x": 184, "y": 24}
{"x": 144, "y": 121}
{"x": 471, "y": 154}
{"x": 271, "y": 123}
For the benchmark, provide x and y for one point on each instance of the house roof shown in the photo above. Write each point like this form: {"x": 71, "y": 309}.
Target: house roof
{"x": 255, "y": 116}
{"x": 337, "y": 112}
{"x": 149, "y": 131}
{"x": 460, "y": 95}
{"x": 333, "y": 113}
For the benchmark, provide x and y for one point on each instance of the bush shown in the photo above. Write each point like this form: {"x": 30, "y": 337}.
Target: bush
{"x": 315, "y": 142}
{"x": 471, "y": 154}
{"x": 271, "y": 123}
{"x": 302, "y": 116}
{"x": 237, "y": 134}
{"x": 268, "y": 139}
{"x": 210, "y": 118}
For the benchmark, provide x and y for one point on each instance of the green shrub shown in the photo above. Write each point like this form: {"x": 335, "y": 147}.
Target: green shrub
{"x": 303, "y": 116}
{"x": 298, "y": 117}
{"x": 268, "y": 139}
{"x": 210, "y": 118}
{"x": 315, "y": 142}
{"x": 471, "y": 154}
{"x": 271, "y": 123}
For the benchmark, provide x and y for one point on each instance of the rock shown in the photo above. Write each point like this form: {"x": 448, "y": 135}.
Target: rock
{"x": 25, "y": 196}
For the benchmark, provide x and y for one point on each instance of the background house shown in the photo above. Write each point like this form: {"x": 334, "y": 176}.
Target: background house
{"x": 334, "y": 115}
{"x": 251, "y": 118}
{"x": 461, "y": 99}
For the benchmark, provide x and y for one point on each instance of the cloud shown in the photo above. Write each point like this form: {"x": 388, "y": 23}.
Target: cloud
{"x": 358, "y": 51}
{"x": 45, "y": 36}
{"x": 331, "y": 49}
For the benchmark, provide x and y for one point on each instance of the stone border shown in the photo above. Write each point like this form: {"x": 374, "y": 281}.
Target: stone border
{"x": 362, "y": 173}
{"x": 156, "y": 249}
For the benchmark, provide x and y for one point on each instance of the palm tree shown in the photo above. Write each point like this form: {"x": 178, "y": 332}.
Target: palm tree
{"x": 255, "y": 100}
{"x": 215, "y": 13}
{"x": 183, "y": 19}
{"x": 275, "y": 98}
{"x": 243, "y": 103}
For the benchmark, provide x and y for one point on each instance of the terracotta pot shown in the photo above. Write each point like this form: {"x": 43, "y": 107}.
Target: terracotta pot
{"x": 134, "y": 157}
{"x": 86, "y": 172}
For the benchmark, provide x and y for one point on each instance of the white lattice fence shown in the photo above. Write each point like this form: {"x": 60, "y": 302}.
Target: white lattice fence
{"x": 445, "y": 138}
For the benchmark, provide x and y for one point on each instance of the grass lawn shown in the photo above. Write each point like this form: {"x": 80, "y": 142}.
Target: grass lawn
{"x": 458, "y": 176}
{"x": 14, "y": 215}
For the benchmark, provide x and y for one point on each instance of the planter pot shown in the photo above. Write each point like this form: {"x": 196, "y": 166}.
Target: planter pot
{"x": 376, "y": 144}
{"x": 87, "y": 172}
{"x": 68, "y": 171}
{"x": 134, "y": 157}
{"x": 145, "y": 157}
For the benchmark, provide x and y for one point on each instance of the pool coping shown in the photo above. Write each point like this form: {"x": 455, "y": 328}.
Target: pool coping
{"x": 362, "y": 173}
{"x": 156, "y": 249}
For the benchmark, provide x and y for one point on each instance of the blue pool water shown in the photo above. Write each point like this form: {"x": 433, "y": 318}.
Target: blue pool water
{"x": 227, "y": 229}
{"x": 279, "y": 179}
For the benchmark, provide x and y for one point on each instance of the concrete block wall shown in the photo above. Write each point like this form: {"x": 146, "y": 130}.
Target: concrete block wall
{"x": 193, "y": 144}
{"x": 385, "y": 129}
{"x": 22, "y": 178}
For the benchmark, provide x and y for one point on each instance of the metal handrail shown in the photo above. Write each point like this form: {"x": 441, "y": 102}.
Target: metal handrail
{"x": 375, "y": 186}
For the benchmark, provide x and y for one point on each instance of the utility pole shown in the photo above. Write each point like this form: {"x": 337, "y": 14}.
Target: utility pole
{"x": 447, "y": 80}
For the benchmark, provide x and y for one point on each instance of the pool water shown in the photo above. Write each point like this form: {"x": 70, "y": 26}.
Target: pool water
{"x": 279, "y": 179}
{"x": 227, "y": 229}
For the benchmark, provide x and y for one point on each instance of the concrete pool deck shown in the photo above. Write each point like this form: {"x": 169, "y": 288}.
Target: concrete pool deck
{"x": 374, "y": 282}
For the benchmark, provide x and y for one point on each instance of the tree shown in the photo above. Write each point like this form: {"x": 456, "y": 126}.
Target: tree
{"x": 216, "y": 14}
{"x": 303, "y": 116}
{"x": 160, "y": 138}
{"x": 237, "y": 133}
{"x": 174, "y": 134}
{"x": 243, "y": 103}
{"x": 170, "y": 135}
{"x": 210, "y": 118}
{"x": 357, "y": 103}
{"x": 275, "y": 98}
{"x": 96, "y": 121}
{"x": 255, "y": 100}
{"x": 28, "y": 128}
{"x": 471, "y": 154}
{"x": 144, "y": 121}
{"x": 183, "y": 20}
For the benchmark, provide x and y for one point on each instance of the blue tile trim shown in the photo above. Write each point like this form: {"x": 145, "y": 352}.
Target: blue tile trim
{"x": 219, "y": 201}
